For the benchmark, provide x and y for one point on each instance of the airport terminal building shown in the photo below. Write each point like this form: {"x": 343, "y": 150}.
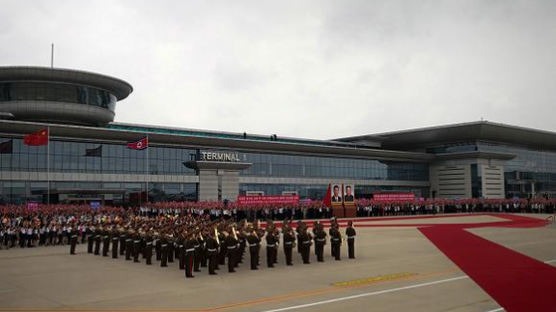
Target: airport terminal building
{"x": 87, "y": 157}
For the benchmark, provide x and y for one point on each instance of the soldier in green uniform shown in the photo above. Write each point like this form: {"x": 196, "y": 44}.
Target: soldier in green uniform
{"x": 91, "y": 239}
{"x": 270, "y": 246}
{"x": 335, "y": 241}
{"x": 189, "y": 254}
{"x": 148, "y": 251}
{"x": 289, "y": 242}
{"x": 231, "y": 246}
{"x": 123, "y": 238}
{"x": 306, "y": 245}
{"x": 73, "y": 240}
{"x": 212, "y": 252}
{"x": 129, "y": 244}
{"x": 115, "y": 240}
{"x": 164, "y": 250}
{"x": 254, "y": 241}
{"x": 98, "y": 237}
{"x": 105, "y": 241}
{"x": 350, "y": 233}
{"x": 320, "y": 241}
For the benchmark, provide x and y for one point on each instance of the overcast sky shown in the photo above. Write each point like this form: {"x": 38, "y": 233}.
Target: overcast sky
{"x": 312, "y": 69}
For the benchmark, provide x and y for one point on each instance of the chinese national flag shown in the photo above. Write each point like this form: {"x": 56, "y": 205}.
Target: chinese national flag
{"x": 140, "y": 144}
{"x": 327, "y": 200}
{"x": 38, "y": 138}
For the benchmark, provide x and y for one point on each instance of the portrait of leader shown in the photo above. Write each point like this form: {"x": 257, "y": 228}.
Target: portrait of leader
{"x": 336, "y": 196}
{"x": 348, "y": 194}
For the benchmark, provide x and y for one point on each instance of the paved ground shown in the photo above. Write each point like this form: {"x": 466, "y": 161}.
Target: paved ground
{"x": 397, "y": 269}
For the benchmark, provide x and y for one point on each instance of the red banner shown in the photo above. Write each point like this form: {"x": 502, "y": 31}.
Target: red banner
{"x": 393, "y": 196}
{"x": 268, "y": 199}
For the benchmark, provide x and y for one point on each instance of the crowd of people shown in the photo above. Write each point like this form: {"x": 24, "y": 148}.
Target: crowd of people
{"x": 192, "y": 236}
{"x": 48, "y": 225}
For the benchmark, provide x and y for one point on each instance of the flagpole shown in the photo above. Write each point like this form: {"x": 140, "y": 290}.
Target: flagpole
{"x": 148, "y": 171}
{"x": 48, "y": 165}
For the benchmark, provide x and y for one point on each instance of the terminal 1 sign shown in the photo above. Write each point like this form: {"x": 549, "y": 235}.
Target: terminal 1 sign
{"x": 220, "y": 156}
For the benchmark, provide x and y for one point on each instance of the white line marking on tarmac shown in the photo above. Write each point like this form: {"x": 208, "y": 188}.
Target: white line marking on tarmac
{"x": 380, "y": 292}
{"x": 374, "y": 293}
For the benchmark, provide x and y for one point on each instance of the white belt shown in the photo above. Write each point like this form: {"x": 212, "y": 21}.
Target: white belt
{"x": 190, "y": 249}
{"x": 252, "y": 245}
{"x": 136, "y": 241}
{"x": 288, "y": 243}
{"x": 114, "y": 238}
{"x": 351, "y": 237}
{"x": 105, "y": 236}
{"x": 211, "y": 250}
{"x": 128, "y": 240}
{"x": 164, "y": 245}
{"x": 231, "y": 247}
{"x": 335, "y": 239}
{"x": 181, "y": 246}
{"x": 149, "y": 244}
{"x": 272, "y": 245}
{"x": 321, "y": 239}
{"x": 306, "y": 242}
{"x": 197, "y": 246}
{"x": 73, "y": 236}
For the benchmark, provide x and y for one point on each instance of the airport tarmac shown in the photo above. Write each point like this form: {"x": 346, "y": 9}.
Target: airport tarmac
{"x": 396, "y": 269}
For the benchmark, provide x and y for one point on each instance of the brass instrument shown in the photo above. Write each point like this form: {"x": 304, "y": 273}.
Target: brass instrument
{"x": 216, "y": 235}
{"x": 234, "y": 232}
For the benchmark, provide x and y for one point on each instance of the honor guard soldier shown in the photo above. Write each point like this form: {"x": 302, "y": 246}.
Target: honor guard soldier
{"x": 223, "y": 250}
{"x": 320, "y": 241}
{"x": 136, "y": 246}
{"x": 197, "y": 253}
{"x": 289, "y": 242}
{"x": 181, "y": 251}
{"x": 98, "y": 237}
{"x": 350, "y": 233}
{"x": 73, "y": 241}
{"x": 203, "y": 249}
{"x": 254, "y": 243}
{"x": 148, "y": 251}
{"x": 164, "y": 251}
{"x": 115, "y": 240}
{"x": 306, "y": 245}
{"x": 105, "y": 241}
{"x": 123, "y": 238}
{"x": 212, "y": 252}
{"x": 270, "y": 246}
{"x": 91, "y": 239}
{"x": 231, "y": 246}
{"x": 158, "y": 247}
{"x": 171, "y": 248}
{"x": 189, "y": 255}
{"x": 335, "y": 241}
{"x": 129, "y": 244}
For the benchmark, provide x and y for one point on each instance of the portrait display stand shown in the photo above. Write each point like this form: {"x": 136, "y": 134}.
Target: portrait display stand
{"x": 338, "y": 210}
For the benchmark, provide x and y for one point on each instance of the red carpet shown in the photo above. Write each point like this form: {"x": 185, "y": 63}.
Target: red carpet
{"x": 517, "y": 282}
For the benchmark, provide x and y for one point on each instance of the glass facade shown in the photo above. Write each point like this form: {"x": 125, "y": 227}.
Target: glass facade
{"x": 531, "y": 171}
{"x": 68, "y": 156}
{"x": 86, "y": 157}
{"x": 276, "y": 165}
{"x": 59, "y": 92}
{"x": 530, "y": 166}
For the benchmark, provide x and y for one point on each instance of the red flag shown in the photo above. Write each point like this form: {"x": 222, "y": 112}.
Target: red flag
{"x": 140, "y": 144}
{"x": 327, "y": 201}
{"x": 38, "y": 138}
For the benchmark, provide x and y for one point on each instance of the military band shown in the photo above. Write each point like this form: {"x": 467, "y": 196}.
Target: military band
{"x": 205, "y": 243}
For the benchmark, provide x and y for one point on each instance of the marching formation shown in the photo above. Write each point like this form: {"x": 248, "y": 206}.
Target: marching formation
{"x": 197, "y": 242}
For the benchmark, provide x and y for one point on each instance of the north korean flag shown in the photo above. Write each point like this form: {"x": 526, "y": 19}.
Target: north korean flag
{"x": 140, "y": 144}
{"x": 38, "y": 138}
